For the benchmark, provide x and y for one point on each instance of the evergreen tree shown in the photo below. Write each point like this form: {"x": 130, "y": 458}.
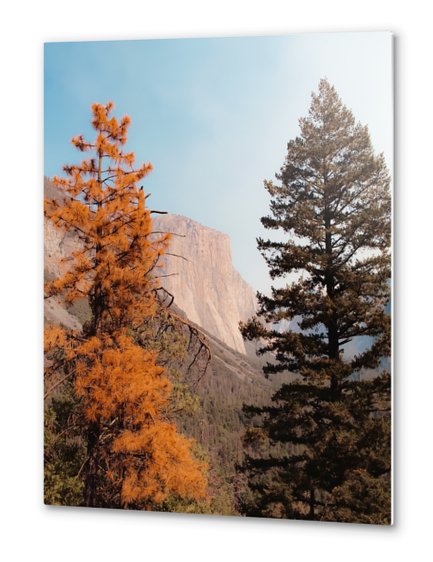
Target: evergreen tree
{"x": 134, "y": 455}
{"x": 334, "y": 205}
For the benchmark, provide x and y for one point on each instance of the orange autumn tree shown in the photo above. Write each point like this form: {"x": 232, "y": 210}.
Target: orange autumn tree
{"x": 135, "y": 455}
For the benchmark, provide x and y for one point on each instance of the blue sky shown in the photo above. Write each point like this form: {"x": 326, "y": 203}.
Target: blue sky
{"x": 214, "y": 115}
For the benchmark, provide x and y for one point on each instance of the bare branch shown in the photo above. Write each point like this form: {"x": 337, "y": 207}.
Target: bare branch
{"x": 57, "y": 384}
{"x": 168, "y": 275}
{"x": 176, "y": 256}
{"x": 168, "y": 232}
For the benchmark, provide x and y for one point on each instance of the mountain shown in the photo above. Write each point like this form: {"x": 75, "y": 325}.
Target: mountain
{"x": 204, "y": 272}
{"x": 56, "y": 247}
{"x": 198, "y": 271}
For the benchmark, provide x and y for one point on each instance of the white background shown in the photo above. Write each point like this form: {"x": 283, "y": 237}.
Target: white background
{"x": 29, "y": 530}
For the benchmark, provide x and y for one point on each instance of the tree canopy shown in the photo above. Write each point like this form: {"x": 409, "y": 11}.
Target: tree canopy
{"x": 134, "y": 455}
{"x": 334, "y": 205}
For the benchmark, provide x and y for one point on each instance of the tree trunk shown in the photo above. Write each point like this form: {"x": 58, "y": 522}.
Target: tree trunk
{"x": 312, "y": 503}
{"x": 332, "y": 327}
{"x": 92, "y": 442}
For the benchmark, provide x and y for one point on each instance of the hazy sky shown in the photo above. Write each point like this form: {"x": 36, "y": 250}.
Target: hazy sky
{"x": 214, "y": 116}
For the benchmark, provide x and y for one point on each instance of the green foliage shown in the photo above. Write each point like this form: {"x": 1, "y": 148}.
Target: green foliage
{"x": 332, "y": 448}
{"x": 64, "y": 452}
{"x": 220, "y": 422}
{"x": 329, "y": 431}
{"x": 362, "y": 498}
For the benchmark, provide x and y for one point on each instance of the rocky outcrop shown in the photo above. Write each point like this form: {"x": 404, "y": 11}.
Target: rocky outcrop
{"x": 198, "y": 271}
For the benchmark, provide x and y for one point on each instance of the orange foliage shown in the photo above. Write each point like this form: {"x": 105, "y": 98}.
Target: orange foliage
{"x": 134, "y": 453}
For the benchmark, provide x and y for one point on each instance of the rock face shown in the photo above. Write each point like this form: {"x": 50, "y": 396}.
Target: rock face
{"x": 57, "y": 246}
{"x": 203, "y": 281}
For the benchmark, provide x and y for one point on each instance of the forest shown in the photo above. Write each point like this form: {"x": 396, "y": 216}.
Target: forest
{"x": 146, "y": 410}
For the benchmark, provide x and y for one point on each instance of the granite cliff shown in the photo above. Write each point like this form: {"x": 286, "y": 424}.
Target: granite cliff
{"x": 201, "y": 277}
{"x": 57, "y": 245}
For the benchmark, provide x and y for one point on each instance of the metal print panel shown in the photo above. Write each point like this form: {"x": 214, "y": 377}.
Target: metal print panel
{"x": 218, "y": 276}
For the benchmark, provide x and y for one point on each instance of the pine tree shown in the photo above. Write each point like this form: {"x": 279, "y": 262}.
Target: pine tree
{"x": 135, "y": 457}
{"x": 332, "y": 427}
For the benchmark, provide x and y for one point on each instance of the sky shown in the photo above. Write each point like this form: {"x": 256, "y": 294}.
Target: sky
{"x": 214, "y": 115}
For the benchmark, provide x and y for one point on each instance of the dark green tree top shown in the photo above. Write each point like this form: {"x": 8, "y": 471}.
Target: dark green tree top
{"x": 334, "y": 204}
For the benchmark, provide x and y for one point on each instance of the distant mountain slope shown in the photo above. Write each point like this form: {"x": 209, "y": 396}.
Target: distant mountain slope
{"x": 233, "y": 379}
{"x": 200, "y": 274}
